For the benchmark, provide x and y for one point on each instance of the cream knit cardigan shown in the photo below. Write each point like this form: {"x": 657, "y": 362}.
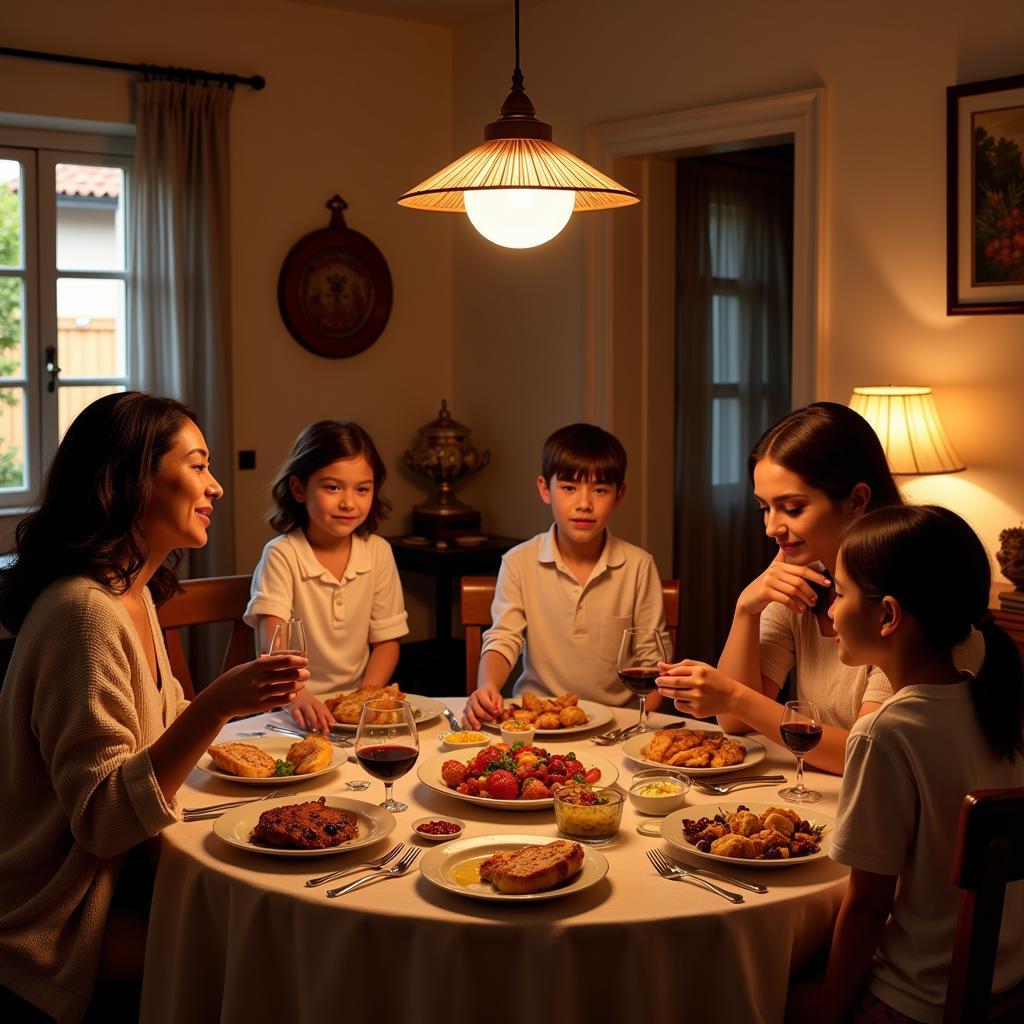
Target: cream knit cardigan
{"x": 78, "y": 711}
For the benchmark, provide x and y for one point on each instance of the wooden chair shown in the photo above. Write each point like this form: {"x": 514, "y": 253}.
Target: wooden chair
{"x": 478, "y": 595}
{"x": 215, "y": 599}
{"x": 989, "y": 854}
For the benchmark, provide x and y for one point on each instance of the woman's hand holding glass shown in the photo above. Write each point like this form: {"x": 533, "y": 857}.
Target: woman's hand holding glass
{"x": 697, "y": 688}
{"x": 256, "y": 687}
{"x": 785, "y": 583}
{"x": 309, "y": 713}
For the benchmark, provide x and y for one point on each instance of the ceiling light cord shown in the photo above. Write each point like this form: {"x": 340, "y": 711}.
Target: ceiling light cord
{"x": 517, "y": 75}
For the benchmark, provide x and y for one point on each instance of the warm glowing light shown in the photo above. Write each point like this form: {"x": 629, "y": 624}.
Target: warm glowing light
{"x": 908, "y": 425}
{"x": 519, "y": 218}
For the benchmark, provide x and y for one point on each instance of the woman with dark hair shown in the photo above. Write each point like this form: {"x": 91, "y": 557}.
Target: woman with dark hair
{"x": 329, "y": 568}
{"x": 942, "y": 733}
{"x": 95, "y": 735}
{"x": 814, "y": 471}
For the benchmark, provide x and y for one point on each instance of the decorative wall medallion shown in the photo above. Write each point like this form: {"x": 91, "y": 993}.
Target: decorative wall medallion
{"x": 335, "y": 289}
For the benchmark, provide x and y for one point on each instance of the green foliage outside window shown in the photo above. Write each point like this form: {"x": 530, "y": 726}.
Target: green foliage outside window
{"x": 11, "y": 469}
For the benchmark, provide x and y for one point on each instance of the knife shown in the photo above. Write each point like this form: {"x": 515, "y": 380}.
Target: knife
{"x": 336, "y": 740}
{"x": 452, "y": 720}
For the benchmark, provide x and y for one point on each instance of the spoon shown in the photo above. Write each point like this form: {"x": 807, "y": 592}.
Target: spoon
{"x": 356, "y": 784}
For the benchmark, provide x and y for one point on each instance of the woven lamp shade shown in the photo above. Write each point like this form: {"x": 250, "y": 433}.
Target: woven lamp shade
{"x": 518, "y": 163}
{"x": 908, "y": 425}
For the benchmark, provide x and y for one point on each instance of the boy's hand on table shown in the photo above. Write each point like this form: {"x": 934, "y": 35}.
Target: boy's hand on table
{"x": 484, "y": 705}
{"x": 311, "y": 714}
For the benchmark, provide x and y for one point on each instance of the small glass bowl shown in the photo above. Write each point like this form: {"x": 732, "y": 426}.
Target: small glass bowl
{"x": 464, "y": 739}
{"x": 658, "y": 792}
{"x": 513, "y": 732}
{"x": 588, "y": 823}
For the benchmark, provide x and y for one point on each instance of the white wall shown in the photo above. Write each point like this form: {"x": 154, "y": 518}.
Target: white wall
{"x": 519, "y": 358}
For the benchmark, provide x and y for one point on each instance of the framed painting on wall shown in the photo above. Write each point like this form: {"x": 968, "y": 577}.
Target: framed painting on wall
{"x": 985, "y": 197}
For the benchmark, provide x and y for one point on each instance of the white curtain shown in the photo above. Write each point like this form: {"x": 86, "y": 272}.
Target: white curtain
{"x": 733, "y": 358}
{"x": 180, "y": 255}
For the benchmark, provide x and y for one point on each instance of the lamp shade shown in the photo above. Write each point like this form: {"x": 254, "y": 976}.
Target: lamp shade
{"x": 908, "y": 425}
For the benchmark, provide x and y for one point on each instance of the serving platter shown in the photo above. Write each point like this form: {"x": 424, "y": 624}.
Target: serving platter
{"x": 429, "y": 773}
{"x": 428, "y": 710}
{"x": 442, "y": 866}
{"x": 597, "y": 715}
{"x": 672, "y": 833}
{"x": 276, "y": 748}
{"x": 235, "y": 826}
{"x": 756, "y": 753}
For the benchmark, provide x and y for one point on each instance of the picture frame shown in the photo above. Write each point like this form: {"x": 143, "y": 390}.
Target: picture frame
{"x": 334, "y": 291}
{"x": 985, "y": 197}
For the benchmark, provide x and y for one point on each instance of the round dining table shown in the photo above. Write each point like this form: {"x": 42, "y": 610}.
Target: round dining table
{"x": 235, "y": 935}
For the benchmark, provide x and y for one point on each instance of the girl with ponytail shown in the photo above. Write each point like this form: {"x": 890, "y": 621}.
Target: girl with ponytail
{"x": 910, "y": 582}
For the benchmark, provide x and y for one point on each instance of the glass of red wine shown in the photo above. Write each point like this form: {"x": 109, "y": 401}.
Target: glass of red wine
{"x": 387, "y": 743}
{"x": 639, "y": 654}
{"x": 801, "y": 732}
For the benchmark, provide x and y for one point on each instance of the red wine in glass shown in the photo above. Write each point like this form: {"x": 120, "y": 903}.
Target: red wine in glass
{"x": 639, "y": 680}
{"x": 387, "y": 761}
{"x": 801, "y": 737}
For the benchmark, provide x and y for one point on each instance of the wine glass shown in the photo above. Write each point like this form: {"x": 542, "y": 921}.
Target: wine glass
{"x": 288, "y": 638}
{"x": 801, "y": 732}
{"x": 639, "y": 654}
{"x": 387, "y": 743}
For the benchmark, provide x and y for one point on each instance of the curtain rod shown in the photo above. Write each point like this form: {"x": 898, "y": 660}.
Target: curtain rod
{"x": 177, "y": 74}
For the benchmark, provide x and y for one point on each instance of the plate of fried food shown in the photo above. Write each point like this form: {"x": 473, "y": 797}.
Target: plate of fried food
{"x": 347, "y": 707}
{"x": 694, "y": 751}
{"x": 514, "y": 869}
{"x": 271, "y": 761}
{"x": 516, "y": 779}
{"x": 754, "y": 835}
{"x": 554, "y": 716}
{"x": 283, "y": 827}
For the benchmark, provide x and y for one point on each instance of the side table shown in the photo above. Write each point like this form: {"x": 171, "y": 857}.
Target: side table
{"x": 447, "y": 565}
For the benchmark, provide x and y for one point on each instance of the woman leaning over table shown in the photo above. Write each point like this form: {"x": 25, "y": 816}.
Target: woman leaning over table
{"x": 813, "y": 471}
{"x": 95, "y": 735}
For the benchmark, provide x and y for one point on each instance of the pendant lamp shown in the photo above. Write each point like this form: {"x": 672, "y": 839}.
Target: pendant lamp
{"x": 518, "y": 188}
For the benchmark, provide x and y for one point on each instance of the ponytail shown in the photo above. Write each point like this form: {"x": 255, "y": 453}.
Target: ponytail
{"x": 997, "y": 691}
{"x": 933, "y": 563}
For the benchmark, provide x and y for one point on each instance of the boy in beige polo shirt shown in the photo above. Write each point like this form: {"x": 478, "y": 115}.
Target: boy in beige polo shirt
{"x": 564, "y": 597}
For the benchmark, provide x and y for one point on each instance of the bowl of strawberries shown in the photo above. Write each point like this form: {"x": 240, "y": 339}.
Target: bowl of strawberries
{"x": 518, "y": 777}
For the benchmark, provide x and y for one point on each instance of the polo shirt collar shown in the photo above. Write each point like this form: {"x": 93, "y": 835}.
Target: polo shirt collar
{"x": 613, "y": 554}
{"x": 309, "y": 566}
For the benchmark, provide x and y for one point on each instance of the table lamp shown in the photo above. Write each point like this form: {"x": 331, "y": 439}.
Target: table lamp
{"x": 908, "y": 425}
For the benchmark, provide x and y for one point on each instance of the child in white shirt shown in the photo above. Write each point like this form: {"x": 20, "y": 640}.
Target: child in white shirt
{"x": 564, "y": 597}
{"x": 910, "y": 582}
{"x": 329, "y": 568}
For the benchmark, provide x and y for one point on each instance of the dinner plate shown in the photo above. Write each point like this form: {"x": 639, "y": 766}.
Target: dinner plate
{"x": 756, "y": 753}
{"x": 429, "y": 773}
{"x": 441, "y": 866}
{"x": 235, "y": 826}
{"x": 276, "y": 748}
{"x": 597, "y": 715}
{"x": 428, "y": 708}
{"x": 672, "y": 832}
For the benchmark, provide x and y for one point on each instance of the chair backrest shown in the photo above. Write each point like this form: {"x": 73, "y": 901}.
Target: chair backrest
{"x": 478, "y": 595}
{"x": 989, "y": 854}
{"x": 203, "y": 601}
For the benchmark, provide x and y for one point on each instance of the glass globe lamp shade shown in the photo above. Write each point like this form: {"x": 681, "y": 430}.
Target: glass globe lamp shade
{"x": 519, "y": 218}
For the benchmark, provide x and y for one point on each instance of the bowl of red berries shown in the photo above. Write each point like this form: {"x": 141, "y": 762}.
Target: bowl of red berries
{"x": 437, "y": 829}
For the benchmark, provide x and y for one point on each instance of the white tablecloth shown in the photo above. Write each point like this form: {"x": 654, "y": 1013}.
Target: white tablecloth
{"x": 234, "y": 936}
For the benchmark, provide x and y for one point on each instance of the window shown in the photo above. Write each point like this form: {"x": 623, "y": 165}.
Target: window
{"x": 63, "y": 293}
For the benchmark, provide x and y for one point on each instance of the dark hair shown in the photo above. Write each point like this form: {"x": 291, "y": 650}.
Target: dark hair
{"x": 833, "y": 448}
{"x": 88, "y": 522}
{"x": 319, "y": 445}
{"x": 582, "y": 451}
{"x": 933, "y": 563}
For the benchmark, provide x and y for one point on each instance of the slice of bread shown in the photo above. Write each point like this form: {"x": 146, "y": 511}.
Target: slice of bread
{"x": 313, "y": 754}
{"x": 533, "y": 868}
{"x": 242, "y": 759}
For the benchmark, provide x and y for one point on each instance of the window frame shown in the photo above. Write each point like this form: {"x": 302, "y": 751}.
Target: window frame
{"x": 101, "y": 145}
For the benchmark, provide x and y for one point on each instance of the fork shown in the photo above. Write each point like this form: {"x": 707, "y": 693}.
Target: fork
{"x": 677, "y": 874}
{"x": 393, "y": 872}
{"x": 677, "y": 869}
{"x": 376, "y": 863}
{"x": 338, "y": 741}
{"x": 615, "y": 735}
{"x": 725, "y": 788}
{"x": 198, "y": 813}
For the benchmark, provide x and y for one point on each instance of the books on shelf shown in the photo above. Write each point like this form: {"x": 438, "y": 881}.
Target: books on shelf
{"x": 1012, "y": 601}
